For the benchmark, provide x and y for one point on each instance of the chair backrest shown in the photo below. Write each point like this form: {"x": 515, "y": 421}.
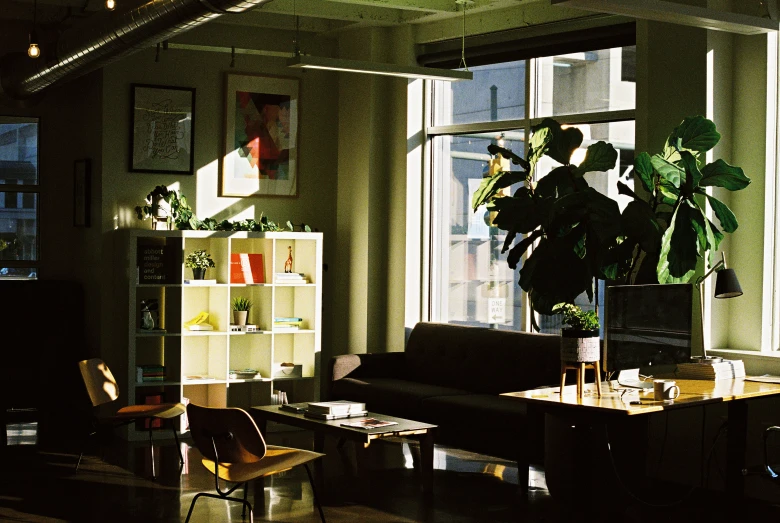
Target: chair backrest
{"x": 235, "y": 433}
{"x": 101, "y": 385}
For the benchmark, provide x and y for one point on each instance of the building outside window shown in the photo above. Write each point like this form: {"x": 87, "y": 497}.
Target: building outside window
{"x": 471, "y": 283}
{"x": 19, "y": 191}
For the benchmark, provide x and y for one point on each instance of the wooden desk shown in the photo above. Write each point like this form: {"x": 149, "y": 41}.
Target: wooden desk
{"x": 590, "y": 408}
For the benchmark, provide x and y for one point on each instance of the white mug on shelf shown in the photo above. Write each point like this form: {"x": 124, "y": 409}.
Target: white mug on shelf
{"x": 665, "y": 390}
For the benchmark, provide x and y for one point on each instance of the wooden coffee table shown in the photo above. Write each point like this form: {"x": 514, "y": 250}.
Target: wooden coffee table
{"x": 421, "y": 432}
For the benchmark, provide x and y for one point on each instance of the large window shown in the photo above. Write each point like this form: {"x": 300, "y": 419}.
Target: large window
{"x": 18, "y": 197}
{"x": 471, "y": 283}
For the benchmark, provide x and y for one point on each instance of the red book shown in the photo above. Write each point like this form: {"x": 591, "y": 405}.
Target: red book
{"x": 246, "y": 268}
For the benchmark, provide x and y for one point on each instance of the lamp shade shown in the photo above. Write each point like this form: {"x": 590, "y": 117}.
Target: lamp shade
{"x": 727, "y": 285}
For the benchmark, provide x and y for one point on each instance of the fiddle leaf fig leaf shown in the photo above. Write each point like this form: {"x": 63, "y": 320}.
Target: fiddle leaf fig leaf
{"x": 509, "y": 155}
{"x": 695, "y": 133}
{"x": 537, "y": 146}
{"x": 721, "y": 174}
{"x": 600, "y": 156}
{"x": 516, "y": 252}
{"x": 669, "y": 192}
{"x": 677, "y": 260}
{"x": 692, "y": 173}
{"x": 492, "y": 184}
{"x": 667, "y": 170}
{"x": 563, "y": 141}
{"x": 726, "y": 218}
{"x": 557, "y": 182}
{"x": 699, "y": 224}
{"x": 639, "y": 223}
{"x": 643, "y": 167}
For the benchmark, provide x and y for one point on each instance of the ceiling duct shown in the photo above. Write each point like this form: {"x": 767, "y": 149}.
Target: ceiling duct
{"x": 108, "y": 36}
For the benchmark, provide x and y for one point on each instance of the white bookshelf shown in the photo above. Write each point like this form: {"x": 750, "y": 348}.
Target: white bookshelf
{"x": 198, "y": 363}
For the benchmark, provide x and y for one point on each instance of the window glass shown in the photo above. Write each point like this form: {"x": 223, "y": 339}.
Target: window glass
{"x": 497, "y": 92}
{"x": 586, "y": 82}
{"x": 477, "y": 286}
{"x": 18, "y": 197}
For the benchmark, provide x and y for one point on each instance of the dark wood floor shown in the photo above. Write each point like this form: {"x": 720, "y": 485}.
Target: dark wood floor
{"x": 41, "y": 485}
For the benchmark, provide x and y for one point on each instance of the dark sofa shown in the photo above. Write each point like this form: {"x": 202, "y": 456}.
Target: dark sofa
{"x": 451, "y": 376}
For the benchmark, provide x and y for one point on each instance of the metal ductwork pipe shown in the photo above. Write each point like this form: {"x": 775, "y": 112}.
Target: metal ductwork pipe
{"x": 108, "y": 36}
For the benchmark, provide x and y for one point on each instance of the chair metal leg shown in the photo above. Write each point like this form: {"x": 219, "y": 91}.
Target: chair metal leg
{"x": 246, "y": 504}
{"x": 772, "y": 473}
{"x": 314, "y": 493}
{"x": 176, "y": 438}
{"x": 151, "y": 450}
{"x": 246, "y": 489}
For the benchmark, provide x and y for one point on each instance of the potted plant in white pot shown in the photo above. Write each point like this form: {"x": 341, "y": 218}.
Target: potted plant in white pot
{"x": 580, "y": 337}
{"x": 199, "y": 260}
{"x": 241, "y": 308}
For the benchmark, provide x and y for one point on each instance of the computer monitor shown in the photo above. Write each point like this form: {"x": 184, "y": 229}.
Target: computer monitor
{"x": 648, "y": 327}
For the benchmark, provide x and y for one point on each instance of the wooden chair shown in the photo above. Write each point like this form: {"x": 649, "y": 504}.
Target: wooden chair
{"x": 234, "y": 451}
{"x": 103, "y": 389}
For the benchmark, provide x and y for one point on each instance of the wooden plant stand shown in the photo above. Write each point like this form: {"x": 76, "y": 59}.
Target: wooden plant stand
{"x": 580, "y": 367}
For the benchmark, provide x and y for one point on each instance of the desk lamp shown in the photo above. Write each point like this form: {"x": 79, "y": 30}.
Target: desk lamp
{"x": 726, "y": 286}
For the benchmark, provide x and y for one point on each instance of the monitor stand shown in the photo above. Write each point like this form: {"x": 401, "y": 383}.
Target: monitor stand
{"x": 630, "y": 378}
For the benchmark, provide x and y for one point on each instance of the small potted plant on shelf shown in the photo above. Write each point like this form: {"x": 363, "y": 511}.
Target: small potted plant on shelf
{"x": 580, "y": 340}
{"x": 199, "y": 260}
{"x": 241, "y": 308}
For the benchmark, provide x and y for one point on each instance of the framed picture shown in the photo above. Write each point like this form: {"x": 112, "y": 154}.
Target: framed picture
{"x": 261, "y": 136}
{"x": 162, "y": 137}
{"x": 81, "y": 193}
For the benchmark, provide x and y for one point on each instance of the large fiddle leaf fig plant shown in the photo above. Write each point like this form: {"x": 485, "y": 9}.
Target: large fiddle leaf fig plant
{"x": 580, "y": 234}
{"x": 575, "y": 225}
{"x": 668, "y": 231}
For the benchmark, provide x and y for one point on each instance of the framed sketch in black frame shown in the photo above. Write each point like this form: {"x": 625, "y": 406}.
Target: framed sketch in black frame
{"x": 82, "y": 194}
{"x": 162, "y": 136}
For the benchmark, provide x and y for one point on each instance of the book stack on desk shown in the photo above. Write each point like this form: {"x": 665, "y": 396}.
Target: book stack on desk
{"x": 722, "y": 370}
{"x": 335, "y": 409}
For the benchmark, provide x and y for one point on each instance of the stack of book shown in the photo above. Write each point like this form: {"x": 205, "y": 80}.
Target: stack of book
{"x": 722, "y": 370}
{"x": 335, "y": 409}
{"x": 290, "y": 278}
{"x": 146, "y": 373}
{"x": 287, "y": 323}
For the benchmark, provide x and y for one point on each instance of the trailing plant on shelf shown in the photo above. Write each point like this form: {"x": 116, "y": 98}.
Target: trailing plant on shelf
{"x": 199, "y": 259}
{"x": 241, "y": 304}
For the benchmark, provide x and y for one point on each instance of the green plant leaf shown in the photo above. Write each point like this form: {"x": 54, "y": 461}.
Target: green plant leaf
{"x": 490, "y": 185}
{"x": 557, "y": 182}
{"x": 626, "y": 190}
{"x": 699, "y": 224}
{"x": 563, "y": 142}
{"x": 667, "y": 170}
{"x": 669, "y": 192}
{"x": 695, "y": 133}
{"x": 509, "y": 155}
{"x": 537, "y": 146}
{"x": 516, "y": 252}
{"x": 692, "y": 174}
{"x": 640, "y": 224}
{"x": 600, "y": 156}
{"x": 643, "y": 167}
{"x": 721, "y": 174}
{"x": 726, "y": 218}
{"x": 677, "y": 259}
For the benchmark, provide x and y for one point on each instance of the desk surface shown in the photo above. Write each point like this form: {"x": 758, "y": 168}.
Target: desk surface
{"x": 617, "y": 400}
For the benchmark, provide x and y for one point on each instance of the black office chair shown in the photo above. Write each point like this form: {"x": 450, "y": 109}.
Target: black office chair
{"x": 772, "y": 472}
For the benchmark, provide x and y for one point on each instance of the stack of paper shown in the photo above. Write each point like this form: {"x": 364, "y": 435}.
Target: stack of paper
{"x": 335, "y": 409}
{"x": 722, "y": 370}
{"x": 290, "y": 278}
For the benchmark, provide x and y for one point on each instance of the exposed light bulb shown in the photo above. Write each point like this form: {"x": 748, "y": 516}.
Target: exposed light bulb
{"x": 33, "y": 51}
{"x": 110, "y": 5}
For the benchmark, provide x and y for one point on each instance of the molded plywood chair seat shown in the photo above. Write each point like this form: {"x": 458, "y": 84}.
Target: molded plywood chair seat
{"x": 103, "y": 389}
{"x": 234, "y": 451}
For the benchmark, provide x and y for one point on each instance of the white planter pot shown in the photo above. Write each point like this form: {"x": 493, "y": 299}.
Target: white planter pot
{"x": 239, "y": 317}
{"x": 580, "y": 346}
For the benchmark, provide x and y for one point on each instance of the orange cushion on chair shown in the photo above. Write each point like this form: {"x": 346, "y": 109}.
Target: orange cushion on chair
{"x": 276, "y": 459}
{"x": 163, "y": 410}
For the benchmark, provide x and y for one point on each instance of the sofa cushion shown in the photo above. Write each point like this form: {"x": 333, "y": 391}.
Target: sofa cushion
{"x": 481, "y": 360}
{"x": 476, "y": 410}
{"x": 394, "y": 397}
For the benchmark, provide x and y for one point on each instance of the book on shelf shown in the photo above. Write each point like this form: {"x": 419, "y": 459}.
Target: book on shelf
{"x": 368, "y": 423}
{"x": 200, "y": 282}
{"x": 328, "y": 417}
{"x": 156, "y": 264}
{"x": 285, "y": 327}
{"x": 336, "y": 407}
{"x": 300, "y": 408}
{"x": 246, "y": 267}
{"x": 290, "y": 277}
{"x": 722, "y": 370}
{"x": 287, "y": 319}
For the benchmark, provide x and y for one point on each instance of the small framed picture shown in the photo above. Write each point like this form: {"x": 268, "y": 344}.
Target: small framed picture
{"x": 82, "y": 193}
{"x": 162, "y": 137}
{"x": 260, "y": 155}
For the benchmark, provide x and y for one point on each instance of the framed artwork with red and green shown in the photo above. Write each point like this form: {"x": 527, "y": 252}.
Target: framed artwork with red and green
{"x": 260, "y": 155}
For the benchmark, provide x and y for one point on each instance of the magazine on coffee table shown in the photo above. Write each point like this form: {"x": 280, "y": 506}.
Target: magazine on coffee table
{"x": 368, "y": 423}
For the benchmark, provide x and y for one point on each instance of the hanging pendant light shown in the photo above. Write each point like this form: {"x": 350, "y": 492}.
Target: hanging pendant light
{"x": 110, "y": 5}
{"x": 33, "y": 51}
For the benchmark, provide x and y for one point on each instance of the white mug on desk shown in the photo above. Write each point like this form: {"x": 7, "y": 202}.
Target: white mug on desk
{"x": 665, "y": 390}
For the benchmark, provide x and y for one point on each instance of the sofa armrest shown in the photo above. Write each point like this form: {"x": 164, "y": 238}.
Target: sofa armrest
{"x": 377, "y": 365}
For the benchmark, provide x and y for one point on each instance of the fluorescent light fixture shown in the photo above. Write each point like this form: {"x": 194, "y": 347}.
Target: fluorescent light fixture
{"x": 358, "y": 66}
{"x": 665, "y": 11}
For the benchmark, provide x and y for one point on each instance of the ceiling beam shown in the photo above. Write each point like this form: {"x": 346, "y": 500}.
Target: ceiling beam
{"x": 338, "y": 11}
